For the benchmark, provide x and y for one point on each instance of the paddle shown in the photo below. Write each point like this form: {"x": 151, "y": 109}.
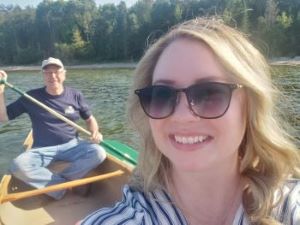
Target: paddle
{"x": 57, "y": 187}
{"x": 126, "y": 153}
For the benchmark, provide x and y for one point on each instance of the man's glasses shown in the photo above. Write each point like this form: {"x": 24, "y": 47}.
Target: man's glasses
{"x": 56, "y": 72}
{"x": 208, "y": 100}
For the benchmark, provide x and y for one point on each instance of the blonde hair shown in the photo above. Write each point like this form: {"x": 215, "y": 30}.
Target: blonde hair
{"x": 268, "y": 155}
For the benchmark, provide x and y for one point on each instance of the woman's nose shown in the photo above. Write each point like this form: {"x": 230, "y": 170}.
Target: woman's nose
{"x": 183, "y": 110}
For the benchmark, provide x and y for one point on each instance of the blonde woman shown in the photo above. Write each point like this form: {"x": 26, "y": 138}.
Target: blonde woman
{"x": 213, "y": 150}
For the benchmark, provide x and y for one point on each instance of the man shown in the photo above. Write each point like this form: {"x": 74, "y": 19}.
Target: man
{"x": 54, "y": 139}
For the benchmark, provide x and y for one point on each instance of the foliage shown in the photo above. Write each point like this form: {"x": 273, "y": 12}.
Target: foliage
{"x": 79, "y": 30}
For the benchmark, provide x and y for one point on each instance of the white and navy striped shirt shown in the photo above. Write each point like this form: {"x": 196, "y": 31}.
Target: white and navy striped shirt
{"x": 136, "y": 208}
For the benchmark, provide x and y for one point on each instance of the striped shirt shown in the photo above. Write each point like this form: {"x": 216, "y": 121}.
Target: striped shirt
{"x": 136, "y": 208}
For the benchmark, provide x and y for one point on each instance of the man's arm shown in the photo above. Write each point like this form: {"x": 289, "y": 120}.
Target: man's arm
{"x": 92, "y": 126}
{"x": 3, "y": 114}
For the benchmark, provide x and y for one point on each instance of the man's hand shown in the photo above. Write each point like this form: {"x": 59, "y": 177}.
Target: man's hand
{"x": 92, "y": 126}
{"x": 3, "y": 76}
{"x": 96, "y": 137}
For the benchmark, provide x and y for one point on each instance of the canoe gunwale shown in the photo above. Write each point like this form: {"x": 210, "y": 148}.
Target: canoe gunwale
{"x": 4, "y": 186}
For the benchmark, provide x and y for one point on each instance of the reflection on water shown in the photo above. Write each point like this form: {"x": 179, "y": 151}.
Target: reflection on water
{"x": 107, "y": 90}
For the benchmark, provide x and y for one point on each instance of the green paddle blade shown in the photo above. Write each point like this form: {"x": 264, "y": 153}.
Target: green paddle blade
{"x": 121, "y": 151}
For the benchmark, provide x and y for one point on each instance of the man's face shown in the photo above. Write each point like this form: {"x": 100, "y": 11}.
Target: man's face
{"x": 54, "y": 77}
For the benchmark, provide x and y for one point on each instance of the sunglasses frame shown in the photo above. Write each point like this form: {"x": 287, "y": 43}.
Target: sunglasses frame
{"x": 231, "y": 87}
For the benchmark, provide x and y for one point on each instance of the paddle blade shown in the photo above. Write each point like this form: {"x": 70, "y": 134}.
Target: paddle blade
{"x": 120, "y": 151}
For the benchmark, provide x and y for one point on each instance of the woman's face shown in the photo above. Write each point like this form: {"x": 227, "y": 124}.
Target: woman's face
{"x": 192, "y": 143}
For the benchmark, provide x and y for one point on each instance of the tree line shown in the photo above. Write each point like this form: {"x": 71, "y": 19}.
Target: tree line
{"x": 80, "y": 31}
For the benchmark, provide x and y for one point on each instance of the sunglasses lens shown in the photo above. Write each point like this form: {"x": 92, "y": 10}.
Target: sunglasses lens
{"x": 157, "y": 101}
{"x": 209, "y": 100}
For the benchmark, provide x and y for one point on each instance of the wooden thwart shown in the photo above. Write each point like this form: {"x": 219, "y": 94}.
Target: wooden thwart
{"x": 57, "y": 187}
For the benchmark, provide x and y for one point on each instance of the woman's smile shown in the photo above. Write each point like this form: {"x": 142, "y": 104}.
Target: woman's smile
{"x": 190, "y": 139}
{"x": 189, "y": 142}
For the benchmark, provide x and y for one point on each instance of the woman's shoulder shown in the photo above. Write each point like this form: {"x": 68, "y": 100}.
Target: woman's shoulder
{"x": 287, "y": 205}
{"x": 291, "y": 192}
{"x": 288, "y": 208}
{"x": 136, "y": 207}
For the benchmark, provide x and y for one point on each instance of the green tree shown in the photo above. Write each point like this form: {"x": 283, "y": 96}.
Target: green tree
{"x": 237, "y": 13}
{"x": 18, "y": 37}
{"x": 82, "y": 13}
{"x": 119, "y": 34}
{"x": 139, "y": 28}
{"x": 104, "y": 26}
{"x": 165, "y": 14}
{"x": 76, "y": 30}
{"x": 51, "y": 25}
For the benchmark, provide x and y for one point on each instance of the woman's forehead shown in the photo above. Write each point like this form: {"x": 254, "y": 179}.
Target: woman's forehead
{"x": 187, "y": 59}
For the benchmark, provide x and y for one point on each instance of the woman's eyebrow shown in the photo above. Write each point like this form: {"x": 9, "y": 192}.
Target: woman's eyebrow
{"x": 164, "y": 81}
{"x": 200, "y": 80}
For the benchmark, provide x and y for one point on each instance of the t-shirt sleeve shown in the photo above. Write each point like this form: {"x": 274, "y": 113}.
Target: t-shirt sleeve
{"x": 84, "y": 109}
{"x": 16, "y": 108}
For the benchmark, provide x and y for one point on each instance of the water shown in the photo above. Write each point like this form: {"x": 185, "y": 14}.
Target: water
{"x": 287, "y": 79}
{"x": 106, "y": 90}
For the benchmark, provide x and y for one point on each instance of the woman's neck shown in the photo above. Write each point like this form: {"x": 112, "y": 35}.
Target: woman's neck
{"x": 209, "y": 197}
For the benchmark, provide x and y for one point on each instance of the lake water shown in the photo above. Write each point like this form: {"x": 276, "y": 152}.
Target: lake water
{"x": 107, "y": 90}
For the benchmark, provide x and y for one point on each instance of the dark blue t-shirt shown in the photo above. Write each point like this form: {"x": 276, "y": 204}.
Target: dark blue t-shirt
{"x": 47, "y": 129}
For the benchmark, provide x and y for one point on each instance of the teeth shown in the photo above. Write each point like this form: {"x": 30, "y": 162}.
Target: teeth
{"x": 190, "y": 140}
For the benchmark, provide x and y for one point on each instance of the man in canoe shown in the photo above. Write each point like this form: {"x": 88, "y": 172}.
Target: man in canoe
{"x": 54, "y": 139}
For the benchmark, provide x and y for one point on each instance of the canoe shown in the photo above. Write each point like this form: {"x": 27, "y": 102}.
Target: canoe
{"x": 39, "y": 209}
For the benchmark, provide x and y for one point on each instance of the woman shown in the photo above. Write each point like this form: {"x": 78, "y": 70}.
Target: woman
{"x": 214, "y": 152}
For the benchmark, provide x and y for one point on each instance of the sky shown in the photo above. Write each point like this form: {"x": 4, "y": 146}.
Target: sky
{"x": 34, "y": 3}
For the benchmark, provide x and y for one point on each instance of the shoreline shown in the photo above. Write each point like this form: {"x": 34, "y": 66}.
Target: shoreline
{"x": 285, "y": 61}
{"x": 276, "y": 62}
{"x": 71, "y": 67}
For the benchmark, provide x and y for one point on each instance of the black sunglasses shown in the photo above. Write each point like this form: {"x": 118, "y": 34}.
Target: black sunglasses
{"x": 209, "y": 100}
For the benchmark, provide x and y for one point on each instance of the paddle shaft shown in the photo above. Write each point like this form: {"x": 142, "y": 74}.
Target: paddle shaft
{"x": 57, "y": 187}
{"x": 51, "y": 111}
